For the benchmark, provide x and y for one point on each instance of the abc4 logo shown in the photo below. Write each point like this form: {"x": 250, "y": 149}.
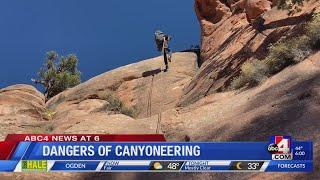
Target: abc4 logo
{"x": 280, "y": 148}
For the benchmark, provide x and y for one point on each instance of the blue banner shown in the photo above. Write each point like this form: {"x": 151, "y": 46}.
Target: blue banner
{"x": 281, "y": 154}
{"x": 155, "y": 151}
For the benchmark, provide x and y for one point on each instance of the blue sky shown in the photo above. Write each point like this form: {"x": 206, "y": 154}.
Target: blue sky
{"x": 104, "y": 34}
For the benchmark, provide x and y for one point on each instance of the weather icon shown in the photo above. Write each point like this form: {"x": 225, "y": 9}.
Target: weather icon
{"x": 157, "y": 166}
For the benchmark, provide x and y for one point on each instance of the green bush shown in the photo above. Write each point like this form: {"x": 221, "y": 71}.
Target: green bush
{"x": 252, "y": 73}
{"x": 58, "y": 74}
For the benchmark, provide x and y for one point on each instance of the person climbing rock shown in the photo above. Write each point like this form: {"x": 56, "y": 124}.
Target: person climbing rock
{"x": 162, "y": 42}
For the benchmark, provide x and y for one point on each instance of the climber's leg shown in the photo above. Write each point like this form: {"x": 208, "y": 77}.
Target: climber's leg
{"x": 169, "y": 54}
{"x": 165, "y": 58}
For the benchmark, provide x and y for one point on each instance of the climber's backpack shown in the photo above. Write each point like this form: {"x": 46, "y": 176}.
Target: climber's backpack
{"x": 158, "y": 37}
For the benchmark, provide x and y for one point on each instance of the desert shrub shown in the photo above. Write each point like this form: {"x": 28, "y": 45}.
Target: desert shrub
{"x": 129, "y": 111}
{"x": 280, "y": 56}
{"x": 300, "y": 47}
{"x": 115, "y": 105}
{"x": 313, "y": 31}
{"x": 252, "y": 73}
{"x": 283, "y": 54}
{"x": 238, "y": 82}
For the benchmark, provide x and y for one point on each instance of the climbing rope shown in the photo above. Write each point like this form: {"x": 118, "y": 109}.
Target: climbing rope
{"x": 149, "y": 108}
{"x": 159, "y": 123}
{"x": 161, "y": 104}
{"x": 160, "y": 112}
{"x": 149, "y": 104}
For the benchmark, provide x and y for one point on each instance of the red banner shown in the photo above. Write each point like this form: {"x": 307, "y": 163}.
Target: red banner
{"x": 6, "y": 149}
{"x": 84, "y": 138}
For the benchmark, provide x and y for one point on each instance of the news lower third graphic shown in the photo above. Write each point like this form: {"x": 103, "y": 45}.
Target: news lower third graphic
{"x": 150, "y": 153}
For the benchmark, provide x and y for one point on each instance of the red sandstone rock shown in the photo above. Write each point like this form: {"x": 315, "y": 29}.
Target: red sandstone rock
{"x": 255, "y": 8}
